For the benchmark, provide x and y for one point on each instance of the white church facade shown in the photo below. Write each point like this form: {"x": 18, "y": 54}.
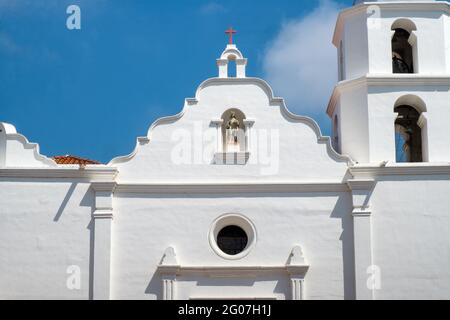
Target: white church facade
{"x": 236, "y": 197}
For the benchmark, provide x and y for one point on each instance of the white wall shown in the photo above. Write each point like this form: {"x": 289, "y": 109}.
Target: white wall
{"x": 355, "y": 47}
{"x": 410, "y": 237}
{"x": 44, "y": 229}
{"x": 354, "y": 124}
{"x": 144, "y": 226}
{"x": 447, "y": 41}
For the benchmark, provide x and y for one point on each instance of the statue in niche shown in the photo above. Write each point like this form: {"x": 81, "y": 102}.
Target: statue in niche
{"x": 232, "y": 130}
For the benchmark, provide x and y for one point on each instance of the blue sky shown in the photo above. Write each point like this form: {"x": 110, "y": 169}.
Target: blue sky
{"x": 91, "y": 92}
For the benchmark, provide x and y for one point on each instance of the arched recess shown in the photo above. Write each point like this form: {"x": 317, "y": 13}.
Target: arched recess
{"x": 231, "y": 63}
{"x": 341, "y": 58}
{"x": 404, "y": 47}
{"x": 411, "y": 133}
{"x": 336, "y": 143}
{"x": 234, "y": 131}
{"x": 232, "y": 67}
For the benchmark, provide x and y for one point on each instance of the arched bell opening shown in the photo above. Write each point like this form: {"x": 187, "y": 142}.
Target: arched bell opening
{"x": 411, "y": 143}
{"x": 404, "y": 47}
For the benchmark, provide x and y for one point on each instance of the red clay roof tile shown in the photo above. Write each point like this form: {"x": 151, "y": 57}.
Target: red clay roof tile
{"x": 68, "y": 159}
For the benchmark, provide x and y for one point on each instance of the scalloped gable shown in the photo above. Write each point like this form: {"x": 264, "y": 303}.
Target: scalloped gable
{"x": 300, "y": 151}
{"x": 17, "y": 152}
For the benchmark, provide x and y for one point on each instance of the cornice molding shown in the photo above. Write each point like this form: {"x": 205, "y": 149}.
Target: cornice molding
{"x": 230, "y": 188}
{"x": 103, "y": 214}
{"x": 360, "y": 184}
{"x": 103, "y": 179}
{"x": 409, "y": 80}
{"x": 361, "y": 212}
{"x": 239, "y": 271}
{"x": 361, "y": 171}
{"x": 108, "y": 186}
{"x": 170, "y": 266}
{"x": 72, "y": 172}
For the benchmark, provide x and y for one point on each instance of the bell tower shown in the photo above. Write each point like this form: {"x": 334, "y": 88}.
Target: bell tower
{"x": 229, "y": 55}
{"x": 392, "y": 101}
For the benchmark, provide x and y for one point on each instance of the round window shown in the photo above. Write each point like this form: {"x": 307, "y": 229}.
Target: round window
{"x": 232, "y": 236}
{"x": 232, "y": 240}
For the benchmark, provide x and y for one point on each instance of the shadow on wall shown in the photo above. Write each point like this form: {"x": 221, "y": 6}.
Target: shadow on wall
{"x": 90, "y": 227}
{"x": 342, "y": 210}
{"x": 88, "y": 200}
{"x": 281, "y": 288}
{"x": 66, "y": 199}
{"x": 155, "y": 285}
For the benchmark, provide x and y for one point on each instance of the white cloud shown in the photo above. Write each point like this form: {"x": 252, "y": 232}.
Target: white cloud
{"x": 212, "y": 8}
{"x": 301, "y": 62}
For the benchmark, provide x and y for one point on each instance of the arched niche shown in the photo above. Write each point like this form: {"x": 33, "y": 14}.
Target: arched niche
{"x": 411, "y": 143}
{"x": 336, "y": 142}
{"x": 233, "y": 131}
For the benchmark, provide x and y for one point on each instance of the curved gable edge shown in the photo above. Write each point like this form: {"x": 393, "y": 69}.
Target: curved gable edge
{"x": 10, "y": 133}
{"x": 273, "y": 101}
